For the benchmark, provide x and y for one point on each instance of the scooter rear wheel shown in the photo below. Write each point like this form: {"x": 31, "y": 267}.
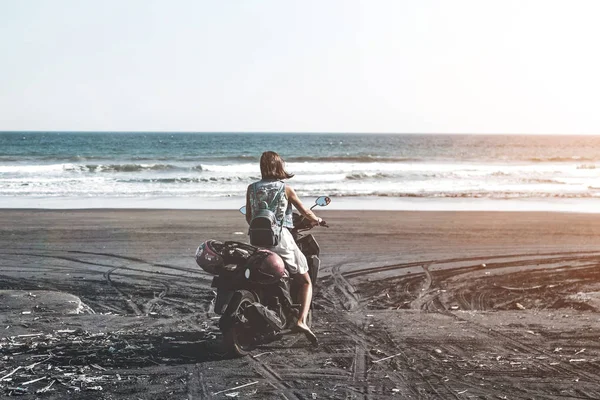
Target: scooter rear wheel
{"x": 240, "y": 337}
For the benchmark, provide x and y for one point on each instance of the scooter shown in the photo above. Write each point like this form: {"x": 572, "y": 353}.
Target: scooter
{"x": 256, "y": 307}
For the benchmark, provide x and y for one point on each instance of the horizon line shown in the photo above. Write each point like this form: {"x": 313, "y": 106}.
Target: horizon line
{"x": 305, "y": 132}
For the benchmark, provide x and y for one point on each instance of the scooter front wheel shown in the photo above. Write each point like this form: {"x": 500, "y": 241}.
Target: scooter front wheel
{"x": 239, "y": 337}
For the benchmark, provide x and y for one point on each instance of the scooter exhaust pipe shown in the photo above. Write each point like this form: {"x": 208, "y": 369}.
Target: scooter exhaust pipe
{"x": 261, "y": 314}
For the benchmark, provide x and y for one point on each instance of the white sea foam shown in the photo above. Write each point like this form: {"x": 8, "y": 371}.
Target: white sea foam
{"x": 342, "y": 179}
{"x": 33, "y": 169}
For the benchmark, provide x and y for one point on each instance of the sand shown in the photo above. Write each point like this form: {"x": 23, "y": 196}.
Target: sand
{"x": 409, "y": 305}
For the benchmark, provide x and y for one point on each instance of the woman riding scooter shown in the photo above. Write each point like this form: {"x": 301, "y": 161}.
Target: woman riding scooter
{"x": 272, "y": 168}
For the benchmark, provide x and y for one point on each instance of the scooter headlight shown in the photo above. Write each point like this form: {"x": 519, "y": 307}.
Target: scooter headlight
{"x": 247, "y": 273}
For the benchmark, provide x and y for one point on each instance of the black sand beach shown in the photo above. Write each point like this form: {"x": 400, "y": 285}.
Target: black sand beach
{"x": 422, "y": 305}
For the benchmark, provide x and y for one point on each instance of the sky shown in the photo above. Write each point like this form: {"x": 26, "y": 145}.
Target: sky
{"x": 479, "y": 66}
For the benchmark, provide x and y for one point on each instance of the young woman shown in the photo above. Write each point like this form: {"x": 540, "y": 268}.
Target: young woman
{"x": 272, "y": 169}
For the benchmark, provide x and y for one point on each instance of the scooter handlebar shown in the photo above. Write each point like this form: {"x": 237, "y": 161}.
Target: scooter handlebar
{"x": 303, "y": 224}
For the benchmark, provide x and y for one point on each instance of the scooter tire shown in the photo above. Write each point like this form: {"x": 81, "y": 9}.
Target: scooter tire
{"x": 238, "y": 337}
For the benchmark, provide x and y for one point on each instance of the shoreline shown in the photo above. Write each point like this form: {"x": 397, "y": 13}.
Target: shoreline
{"x": 587, "y": 205}
{"x": 108, "y": 210}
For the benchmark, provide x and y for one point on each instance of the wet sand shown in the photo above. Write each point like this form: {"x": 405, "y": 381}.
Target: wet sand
{"x": 464, "y": 304}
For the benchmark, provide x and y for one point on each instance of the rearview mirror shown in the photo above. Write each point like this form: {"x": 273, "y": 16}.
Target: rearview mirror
{"x": 322, "y": 201}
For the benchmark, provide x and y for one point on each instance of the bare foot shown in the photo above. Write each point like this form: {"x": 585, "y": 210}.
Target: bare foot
{"x": 303, "y": 328}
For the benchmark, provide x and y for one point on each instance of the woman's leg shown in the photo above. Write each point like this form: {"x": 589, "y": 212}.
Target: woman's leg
{"x": 298, "y": 267}
{"x": 304, "y": 297}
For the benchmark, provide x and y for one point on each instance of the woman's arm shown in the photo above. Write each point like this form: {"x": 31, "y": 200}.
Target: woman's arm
{"x": 248, "y": 208}
{"x": 295, "y": 200}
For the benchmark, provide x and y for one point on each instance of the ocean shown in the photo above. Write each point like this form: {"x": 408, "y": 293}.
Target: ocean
{"x": 358, "y": 171}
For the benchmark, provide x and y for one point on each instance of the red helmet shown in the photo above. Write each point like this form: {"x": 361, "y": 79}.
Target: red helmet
{"x": 208, "y": 257}
{"x": 265, "y": 267}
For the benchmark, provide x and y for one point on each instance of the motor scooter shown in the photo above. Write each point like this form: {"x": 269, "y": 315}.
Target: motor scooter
{"x": 255, "y": 308}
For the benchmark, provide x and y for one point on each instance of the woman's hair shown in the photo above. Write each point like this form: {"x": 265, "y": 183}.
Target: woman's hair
{"x": 272, "y": 166}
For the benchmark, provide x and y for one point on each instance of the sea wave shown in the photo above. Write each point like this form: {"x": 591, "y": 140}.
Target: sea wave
{"x": 70, "y": 159}
{"x": 199, "y": 158}
{"x": 10, "y": 159}
{"x": 120, "y": 167}
{"x": 350, "y": 158}
{"x": 186, "y": 179}
{"x": 542, "y": 181}
{"x": 562, "y": 159}
{"x": 473, "y": 195}
{"x": 70, "y": 167}
{"x": 362, "y": 176}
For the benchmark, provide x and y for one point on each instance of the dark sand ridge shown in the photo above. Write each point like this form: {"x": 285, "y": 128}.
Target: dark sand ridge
{"x": 410, "y": 286}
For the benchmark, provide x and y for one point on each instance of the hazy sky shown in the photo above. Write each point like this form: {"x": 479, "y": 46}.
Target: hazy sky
{"x": 318, "y": 66}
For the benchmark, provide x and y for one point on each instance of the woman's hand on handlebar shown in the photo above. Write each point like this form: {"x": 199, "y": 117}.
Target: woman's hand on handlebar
{"x": 305, "y": 223}
{"x": 323, "y": 223}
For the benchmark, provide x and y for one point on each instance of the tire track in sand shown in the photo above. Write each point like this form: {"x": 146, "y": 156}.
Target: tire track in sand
{"x": 558, "y": 367}
{"x": 350, "y": 300}
{"x": 362, "y": 340}
{"x": 127, "y": 299}
{"x": 273, "y": 379}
